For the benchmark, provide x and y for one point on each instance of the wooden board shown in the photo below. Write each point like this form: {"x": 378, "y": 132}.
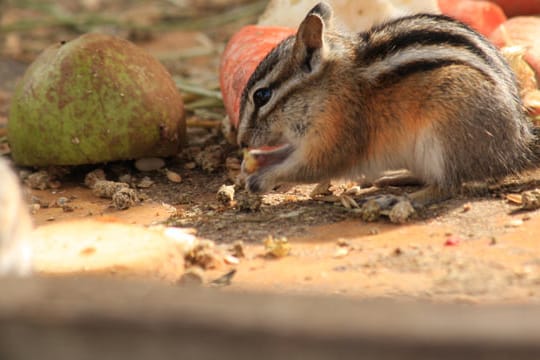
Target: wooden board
{"x": 88, "y": 318}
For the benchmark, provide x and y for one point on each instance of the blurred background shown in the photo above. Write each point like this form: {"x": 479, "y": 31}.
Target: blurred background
{"x": 187, "y": 36}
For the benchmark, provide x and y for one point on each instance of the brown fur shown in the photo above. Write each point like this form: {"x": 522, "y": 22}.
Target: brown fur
{"x": 424, "y": 93}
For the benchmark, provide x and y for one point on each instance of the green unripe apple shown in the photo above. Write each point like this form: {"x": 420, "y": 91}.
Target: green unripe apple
{"x": 94, "y": 99}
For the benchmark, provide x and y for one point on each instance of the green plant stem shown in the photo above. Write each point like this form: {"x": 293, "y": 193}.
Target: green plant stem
{"x": 194, "y": 89}
{"x": 182, "y": 22}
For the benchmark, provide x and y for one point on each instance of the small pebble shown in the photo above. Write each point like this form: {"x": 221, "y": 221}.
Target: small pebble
{"x": 126, "y": 178}
{"x": 341, "y": 252}
{"x": 93, "y": 176}
{"x": 62, "y": 201}
{"x": 322, "y": 188}
{"x": 453, "y": 240}
{"x": 231, "y": 260}
{"x": 149, "y": 164}
{"x": 531, "y": 200}
{"x": 173, "y": 176}
{"x": 237, "y": 249}
{"x": 514, "y": 223}
{"x": 39, "y": 180}
{"x": 371, "y": 211}
{"x": 106, "y": 189}
{"x": 248, "y": 202}
{"x": 193, "y": 276}
{"x": 401, "y": 212}
{"x": 24, "y": 173}
{"x": 145, "y": 183}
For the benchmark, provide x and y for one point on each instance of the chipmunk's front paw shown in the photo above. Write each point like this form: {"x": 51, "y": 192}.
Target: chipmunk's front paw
{"x": 259, "y": 183}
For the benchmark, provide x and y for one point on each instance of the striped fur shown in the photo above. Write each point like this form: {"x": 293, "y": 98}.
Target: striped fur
{"x": 423, "y": 92}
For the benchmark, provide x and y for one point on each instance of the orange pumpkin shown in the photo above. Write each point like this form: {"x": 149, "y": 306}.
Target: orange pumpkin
{"x": 245, "y": 50}
{"x": 483, "y": 16}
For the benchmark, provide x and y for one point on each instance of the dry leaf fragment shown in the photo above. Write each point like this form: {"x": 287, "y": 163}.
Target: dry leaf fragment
{"x": 514, "y": 199}
{"x": 277, "y": 247}
{"x": 224, "y": 280}
{"x": 348, "y": 202}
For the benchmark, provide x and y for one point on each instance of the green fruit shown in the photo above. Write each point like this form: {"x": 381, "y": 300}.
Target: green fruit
{"x": 94, "y": 99}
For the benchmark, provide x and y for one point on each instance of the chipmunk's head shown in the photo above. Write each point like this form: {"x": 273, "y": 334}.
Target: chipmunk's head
{"x": 281, "y": 98}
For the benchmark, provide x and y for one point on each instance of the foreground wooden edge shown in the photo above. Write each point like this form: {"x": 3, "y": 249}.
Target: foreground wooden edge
{"x": 90, "y": 318}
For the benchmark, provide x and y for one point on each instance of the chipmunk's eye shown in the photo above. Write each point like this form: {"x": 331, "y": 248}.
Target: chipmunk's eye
{"x": 262, "y": 96}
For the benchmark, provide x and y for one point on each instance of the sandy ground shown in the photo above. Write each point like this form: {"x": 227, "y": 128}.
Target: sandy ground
{"x": 470, "y": 249}
{"x": 475, "y": 248}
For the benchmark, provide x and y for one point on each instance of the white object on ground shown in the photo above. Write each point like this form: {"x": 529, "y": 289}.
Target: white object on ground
{"x": 353, "y": 15}
{"x": 15, "y": 226}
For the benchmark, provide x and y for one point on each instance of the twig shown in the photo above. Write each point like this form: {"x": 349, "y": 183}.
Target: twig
{"x": 207, "y": 114}
{"x": 203, "y": 103}
{"x": 207, "y": 124}
{"x": 194, "y": 89}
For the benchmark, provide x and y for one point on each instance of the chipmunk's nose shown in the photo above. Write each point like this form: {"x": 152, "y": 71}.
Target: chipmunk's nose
{"x": 243, "y": 139}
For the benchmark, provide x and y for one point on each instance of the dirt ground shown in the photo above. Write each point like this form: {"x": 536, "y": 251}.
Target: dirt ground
{"x": 475, "y": 248}
{"x": 470, "y": 249}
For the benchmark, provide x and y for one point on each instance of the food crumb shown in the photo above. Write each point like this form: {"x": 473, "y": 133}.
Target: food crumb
{"x": 124, "y": 198}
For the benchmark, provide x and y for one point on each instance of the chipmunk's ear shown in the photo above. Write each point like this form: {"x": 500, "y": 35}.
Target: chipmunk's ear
{"x": 324, "y": 10}
{"x": 309, "y": 48}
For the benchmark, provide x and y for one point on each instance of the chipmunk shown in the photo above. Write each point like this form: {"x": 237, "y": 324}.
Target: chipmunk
{"x": 15, "y": 226}
{"x": 423, "y": 92}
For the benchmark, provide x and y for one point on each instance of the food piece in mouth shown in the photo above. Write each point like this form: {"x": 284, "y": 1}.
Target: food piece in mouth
{"x": 264, "y": 156}
{"x": 249, "y": 165}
